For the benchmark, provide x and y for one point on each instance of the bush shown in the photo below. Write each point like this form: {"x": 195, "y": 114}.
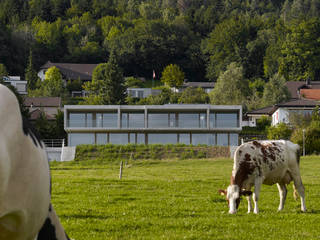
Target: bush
{"x": 280, "y": 131}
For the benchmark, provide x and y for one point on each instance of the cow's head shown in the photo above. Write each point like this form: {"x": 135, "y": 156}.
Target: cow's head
{"x": 233, "y": 195}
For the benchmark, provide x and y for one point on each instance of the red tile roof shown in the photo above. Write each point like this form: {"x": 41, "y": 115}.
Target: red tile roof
{"x": 313, "y": 94}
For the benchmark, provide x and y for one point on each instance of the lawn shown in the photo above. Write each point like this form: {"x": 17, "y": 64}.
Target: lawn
{"x": 175, "y": 199}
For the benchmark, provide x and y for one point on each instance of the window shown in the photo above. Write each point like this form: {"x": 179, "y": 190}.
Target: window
{"x": 162, "y": 138}
{"x": 157, "y": 120}
{"x": 110, "y": 120}
{"x": 184, "y": 138}
{"x": 118, "y": 138}
{"x": 192, "y": 120}
{"x": 137, "y": 138}
{"x": 222, "y": 139}
{"x": 203, "y": 138}
{"x": 234, "y": 139}
{"x": 101, "y": 138}
{"x": 224, "y": 120}
{"x": 77, "y": 120}
{"x": 132, "y": 120}
{"x": 75, "y": 139}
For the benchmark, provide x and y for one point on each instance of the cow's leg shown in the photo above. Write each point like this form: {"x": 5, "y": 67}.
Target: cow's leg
{"x": 300, "y": 188}
{"x": 256, "y": 193}
{"x": 283, "y": 194}
{"x": 249, "y": 204}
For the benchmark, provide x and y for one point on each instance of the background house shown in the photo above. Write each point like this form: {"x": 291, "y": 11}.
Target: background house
{"x": 70, "y": 71}
{"x": 20, "y": 85}
{"x": 305, "y": 96}
{"x": 48, "y": 105}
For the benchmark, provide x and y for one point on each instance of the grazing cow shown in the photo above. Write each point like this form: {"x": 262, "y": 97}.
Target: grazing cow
{"x": 267, "y": 162}
{"x": 25, "y": 209}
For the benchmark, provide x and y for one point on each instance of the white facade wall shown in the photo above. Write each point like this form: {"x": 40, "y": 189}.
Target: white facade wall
{"x": 279, "y": 116}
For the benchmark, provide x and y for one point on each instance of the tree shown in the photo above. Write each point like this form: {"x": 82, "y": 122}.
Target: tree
{"x": 53, "y": 84}
{"x": 3, "y": 72}
{"x": 300, "y": 58}
{"x": 107, "y": 86}
{"x": 193, "y": 95}
{"x": 231, "y": 87}
{"x": 275, "y": 91}
{"x": 31, "y": 75}
{"x": 172, "y": 76}
{"x": 280, "y": 131}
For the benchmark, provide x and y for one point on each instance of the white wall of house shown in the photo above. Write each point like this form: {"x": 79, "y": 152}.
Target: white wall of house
{"x": 20, "y": 85}
{"x": 279, "y": 116}
{"x": 41, "y": 74}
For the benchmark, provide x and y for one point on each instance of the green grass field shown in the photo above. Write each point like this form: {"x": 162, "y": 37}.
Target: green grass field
{"x": 175, "y": 199}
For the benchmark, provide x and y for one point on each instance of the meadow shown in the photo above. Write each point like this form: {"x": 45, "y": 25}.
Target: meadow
{"x": 175, "y": 199}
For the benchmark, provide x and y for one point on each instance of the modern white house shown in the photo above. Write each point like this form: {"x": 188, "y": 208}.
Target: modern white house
{"x": 20, "y": 85}
{"x": 153, "y": 124}
{"x": 142, "y": 92}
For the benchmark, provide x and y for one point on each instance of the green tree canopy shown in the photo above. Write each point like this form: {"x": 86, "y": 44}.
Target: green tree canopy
{"x": 193, "y": 95}
{"x": 275, "y": 91}
{"x": 107, "y": 86}
{"x": 53, "y": 84}
{"x": 172, "y": 76}
{"x": 231, "y": 87}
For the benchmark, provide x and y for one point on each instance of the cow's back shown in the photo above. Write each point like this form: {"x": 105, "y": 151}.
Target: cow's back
{"x": 24, "y": 174}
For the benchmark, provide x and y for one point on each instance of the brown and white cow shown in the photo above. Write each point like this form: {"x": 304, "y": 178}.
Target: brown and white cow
{"x": 25, "y": 209}
{"x": 267, "y": 162}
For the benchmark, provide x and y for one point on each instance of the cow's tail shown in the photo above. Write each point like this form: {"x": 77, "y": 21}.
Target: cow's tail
{"x": 295, "y": 193}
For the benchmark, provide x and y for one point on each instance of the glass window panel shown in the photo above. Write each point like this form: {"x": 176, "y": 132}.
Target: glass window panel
{"x": 141, "y": 138}
{"x": 184, "y": 138}
{"x": 124, "y": 120}
{"x": 222, "y": 139}
{"x": 136, "y": 120}
{"x": 212, "y": 120}
{"x": 77, "y": 120}
{"x": 200, "y": 138}
{"x": 203, "y": 120}
{"x": 132, "y": 138}
{"x": 80, "y": 138}
{"x": 101, "y": 138}
{"x": 157, "y": 120}
{"x": 162, "y": 138}
{"x": 118, "y": 138}
{"x": 226, "y": 120}
{"x": 188, "y": 120}
{"x": 234, "y": 139}
{"x": 89, "y": 120}
{"x": 110, "y": 120}
{"x": 172, "y": 120}
{"x": 99, "y": 120}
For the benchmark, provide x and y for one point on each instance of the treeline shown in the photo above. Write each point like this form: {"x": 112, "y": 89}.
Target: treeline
{"x": 206, "y": 38}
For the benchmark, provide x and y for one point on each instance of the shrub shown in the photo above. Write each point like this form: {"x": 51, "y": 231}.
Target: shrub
{"x": 280, "y": 131}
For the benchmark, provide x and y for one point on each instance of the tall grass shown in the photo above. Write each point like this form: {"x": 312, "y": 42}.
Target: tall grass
{"x": 175, "y": 199}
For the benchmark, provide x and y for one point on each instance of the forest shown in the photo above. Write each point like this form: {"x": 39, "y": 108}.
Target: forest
{"x": 252, "y": 42}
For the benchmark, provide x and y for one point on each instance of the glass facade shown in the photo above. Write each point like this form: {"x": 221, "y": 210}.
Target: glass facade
{"x": 126, "y": 128}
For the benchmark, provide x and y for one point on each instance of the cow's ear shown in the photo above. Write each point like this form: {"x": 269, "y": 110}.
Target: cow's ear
{"x": 223, "y": 192}
{"x": 246, "y": 193}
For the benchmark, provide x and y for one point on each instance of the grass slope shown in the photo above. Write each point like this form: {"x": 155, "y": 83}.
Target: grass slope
{"x": 175, "y": 200}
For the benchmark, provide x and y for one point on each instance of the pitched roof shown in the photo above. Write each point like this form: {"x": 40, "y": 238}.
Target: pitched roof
{"x": 73, "y": 70}
{"x": 262, "y": 111}
{"x": 293, "y": 87}
{"x": 42, "y": 101}
{"x": 310, "y": 94}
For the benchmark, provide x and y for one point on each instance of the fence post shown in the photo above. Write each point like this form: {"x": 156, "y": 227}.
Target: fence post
{"x": 120, "y": 173}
